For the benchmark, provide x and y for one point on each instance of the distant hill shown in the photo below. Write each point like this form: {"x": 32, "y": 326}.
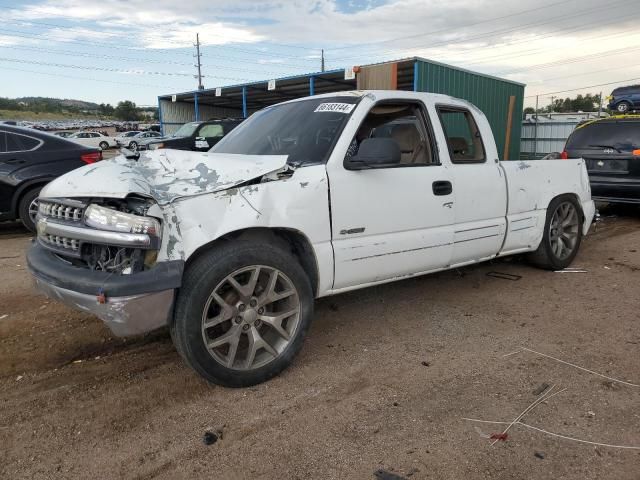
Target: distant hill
{"x": 62, "y": 102}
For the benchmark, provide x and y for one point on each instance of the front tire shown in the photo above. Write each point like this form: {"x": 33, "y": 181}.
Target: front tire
{"x": 133, "y": 146}
{"x": 242, "y": 313}
{"x": 28, "y": 208}
{"x": 562, "y": 234}
{"x": 104, "y": 145}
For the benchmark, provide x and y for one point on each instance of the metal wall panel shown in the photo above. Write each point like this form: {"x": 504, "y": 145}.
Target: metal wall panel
{"x": 491, "y": 95}
{"x": 176, "y": 114}
{"x": 551, "y": 137}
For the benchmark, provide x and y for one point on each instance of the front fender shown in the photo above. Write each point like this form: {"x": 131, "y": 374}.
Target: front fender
{"x": 299, "y": 203}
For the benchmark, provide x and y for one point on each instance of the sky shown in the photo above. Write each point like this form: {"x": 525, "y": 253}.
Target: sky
{"x": 110, "y": 50}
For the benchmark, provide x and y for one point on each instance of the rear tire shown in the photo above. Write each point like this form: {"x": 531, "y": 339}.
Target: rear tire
{"x": 104, "y": 145}
{"x": 562, "y": 234}
{"x": 242, "y": 313}
{"x": 623, "y": 107}
{"x": 28, "y": 208}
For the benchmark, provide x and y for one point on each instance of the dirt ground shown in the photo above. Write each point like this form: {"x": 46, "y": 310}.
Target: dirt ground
{"x": 383, "y": 382}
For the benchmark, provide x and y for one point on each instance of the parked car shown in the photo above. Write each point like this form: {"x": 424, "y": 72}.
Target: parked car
{"x": 305, "y": 199}
{"x": 197, "y": 136}
{"x": 140, "y": 140}
{"x": 29, "y": 159}
{"x": 123, "y": 139}
{"x": 144, "y": 143}
{"x": 611, "y": 150}
{"x": 93, "y": 139}
{"x": 63, "y": 134}
{"x": 625, "y": 99}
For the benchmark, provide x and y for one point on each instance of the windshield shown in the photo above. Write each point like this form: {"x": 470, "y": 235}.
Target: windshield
{"x": 186, "y": 130}
{"x": 305, "y": 131}
{"x": 621, "y": 136}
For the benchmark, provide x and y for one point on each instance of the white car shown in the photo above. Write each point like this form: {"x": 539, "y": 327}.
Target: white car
{"x": 139, "y": 140}
{"x": 123, "y": 139}
{"x": 308, "y": 198}
{"x": 93, "y": 139}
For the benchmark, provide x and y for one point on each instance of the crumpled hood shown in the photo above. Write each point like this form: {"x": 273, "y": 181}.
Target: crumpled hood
{"x": 163, "y": 175}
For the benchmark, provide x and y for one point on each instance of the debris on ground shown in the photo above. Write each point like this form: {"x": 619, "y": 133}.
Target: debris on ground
{"x": 209, "y": 438}
{"x": 541, "y": 389}
{"x": 2, "y": 317}
{"x": 504, "y": 276}
{"x": 539, "y": 455}
{"x": 385, "y": 475}
{"x": 425, "y": 363}
{"x": 499, "y": 436}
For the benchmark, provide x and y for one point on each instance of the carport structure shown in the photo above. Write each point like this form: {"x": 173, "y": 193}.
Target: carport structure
{"x": 501, "y": 100}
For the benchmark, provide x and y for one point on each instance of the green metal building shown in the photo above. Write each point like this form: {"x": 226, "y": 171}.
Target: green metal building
{"x": 501, "y": 100}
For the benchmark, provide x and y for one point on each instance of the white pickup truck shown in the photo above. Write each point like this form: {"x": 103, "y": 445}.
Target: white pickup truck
{"x": 304, "y": 199}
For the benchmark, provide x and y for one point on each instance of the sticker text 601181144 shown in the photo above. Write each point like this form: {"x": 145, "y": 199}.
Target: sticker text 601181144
{"x": 335, "y": 107}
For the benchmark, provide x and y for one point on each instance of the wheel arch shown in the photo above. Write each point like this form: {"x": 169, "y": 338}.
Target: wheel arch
{"x": 23, "y": 188}
{"x": 289, "y": 239}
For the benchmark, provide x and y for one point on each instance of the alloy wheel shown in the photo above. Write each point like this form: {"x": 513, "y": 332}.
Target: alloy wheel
{"x": 251, "y": 317}
{"x": 564, "y": 230}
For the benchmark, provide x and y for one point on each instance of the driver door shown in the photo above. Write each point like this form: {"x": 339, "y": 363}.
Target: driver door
{"x": 391, "y": 221}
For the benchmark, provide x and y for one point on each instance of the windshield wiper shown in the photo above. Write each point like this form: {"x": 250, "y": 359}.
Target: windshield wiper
{"x": 606, "y": 146}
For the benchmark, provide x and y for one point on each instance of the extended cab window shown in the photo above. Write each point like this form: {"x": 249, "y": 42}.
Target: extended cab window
{"x": 403, "y": 123}
{"x": 462, "y": 134}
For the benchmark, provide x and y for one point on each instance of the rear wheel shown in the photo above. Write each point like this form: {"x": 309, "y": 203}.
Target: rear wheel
{"x": 28, "y": 208}
{"x": 133, "y": 146}
{"x": 623, "y": 107}
{"x": 104, "y": 145}
{"x": 242, "y": 313}
{"x": 562, "y": 235}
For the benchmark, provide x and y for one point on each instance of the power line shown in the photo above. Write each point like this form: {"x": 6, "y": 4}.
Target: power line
{"x": 114, "y": 70}
{"x": 447, "y": 30}
{"x": 489, "y": 34}
{"x": 584, "y": 88}
{"x": 86, "y": 78}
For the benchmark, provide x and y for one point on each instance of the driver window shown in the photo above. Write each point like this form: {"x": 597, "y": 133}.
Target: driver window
{"x": 403, "y": 124}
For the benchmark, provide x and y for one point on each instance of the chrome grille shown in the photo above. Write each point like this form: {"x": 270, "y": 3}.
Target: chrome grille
{"x": 70, "y": 244}
{"x": 60, "y": 211}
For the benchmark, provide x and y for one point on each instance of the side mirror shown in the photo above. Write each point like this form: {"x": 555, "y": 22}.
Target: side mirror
{"x": 374, "y": 152}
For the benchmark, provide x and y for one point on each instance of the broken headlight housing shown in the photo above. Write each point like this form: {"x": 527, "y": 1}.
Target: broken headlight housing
{"x": 104, "y": 218}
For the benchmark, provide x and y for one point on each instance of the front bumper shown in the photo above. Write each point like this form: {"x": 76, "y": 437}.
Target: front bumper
{"x": 132, "y": 304}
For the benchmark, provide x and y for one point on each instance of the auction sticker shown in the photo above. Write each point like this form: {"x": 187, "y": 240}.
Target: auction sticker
{"x": 335, "y": 107}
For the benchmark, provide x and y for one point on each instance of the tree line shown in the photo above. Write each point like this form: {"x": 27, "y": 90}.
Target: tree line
{"x": 581, "y": 103}
{"x": 124, "y": 110}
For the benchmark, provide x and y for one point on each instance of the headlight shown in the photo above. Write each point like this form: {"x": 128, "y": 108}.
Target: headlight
{"x": 104, "y": 218}
{"x": 156, "y": 146}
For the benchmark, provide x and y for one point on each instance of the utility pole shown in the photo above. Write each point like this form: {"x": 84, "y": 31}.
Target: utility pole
{"x": 552, "y": 105}
{"x": 322, "y": 61}
{"x": 199, "y": 65}
{"x": 600, "y": 107}
{"x": 535, "y": 132}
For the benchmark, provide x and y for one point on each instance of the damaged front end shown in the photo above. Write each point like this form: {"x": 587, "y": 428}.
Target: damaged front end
{"x": 101, "y": 256}
{"x": 105, "y": 235}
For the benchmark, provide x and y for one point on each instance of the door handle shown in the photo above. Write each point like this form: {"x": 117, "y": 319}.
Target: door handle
{"x": 13, "y": 161}
{"x": 442, "y": 187}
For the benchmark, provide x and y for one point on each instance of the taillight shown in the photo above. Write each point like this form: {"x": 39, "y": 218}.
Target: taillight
{"x": 92, "y": 157}
{"x": 564, "y": 155}
{"x": 636, "y": 152}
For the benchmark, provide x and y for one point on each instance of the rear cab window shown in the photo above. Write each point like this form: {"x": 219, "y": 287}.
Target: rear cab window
{"x": 464, "y": 140}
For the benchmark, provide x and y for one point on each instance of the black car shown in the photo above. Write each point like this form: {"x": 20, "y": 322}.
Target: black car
{"x": 29, "y": 159}
{"x": 198, "y": 136}
{"x": 611, "y": 149}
